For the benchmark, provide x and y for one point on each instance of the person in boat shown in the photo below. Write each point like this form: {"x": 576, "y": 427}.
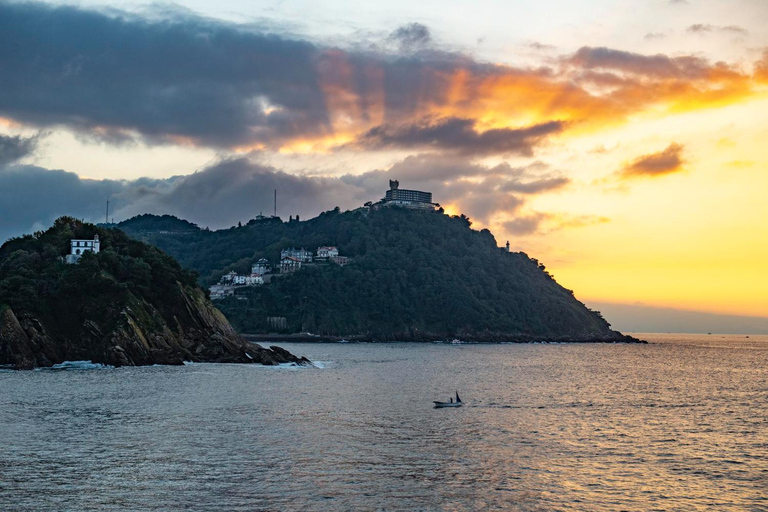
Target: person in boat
{"x": 451, "y": 400}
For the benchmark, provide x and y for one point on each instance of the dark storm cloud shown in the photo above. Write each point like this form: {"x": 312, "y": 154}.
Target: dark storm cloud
{"x": 32, "y": 197}
{"x": 655, "y": 164}
{"x": 13, "y": 148}
{"x": 239, "y": 189}
{"x": 192, "y": 77}
{"x": 458, "y": 135}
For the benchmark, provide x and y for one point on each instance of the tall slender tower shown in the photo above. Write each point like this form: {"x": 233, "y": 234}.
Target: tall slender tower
{"x": 275, "y": 202}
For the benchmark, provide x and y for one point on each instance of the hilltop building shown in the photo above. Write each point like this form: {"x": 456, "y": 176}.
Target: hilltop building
{"x": 80, "y": 247}
{"x": 413, "y": 199}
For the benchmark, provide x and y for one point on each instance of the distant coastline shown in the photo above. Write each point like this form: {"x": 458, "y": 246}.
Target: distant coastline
{"x": 492, "y": 338}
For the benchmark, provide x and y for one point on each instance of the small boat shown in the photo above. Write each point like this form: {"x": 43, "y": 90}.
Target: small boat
{"x": 452, "y": 403}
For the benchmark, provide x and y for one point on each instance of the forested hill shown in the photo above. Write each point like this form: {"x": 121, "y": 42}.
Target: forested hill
{"x": 414, "y": 276}
{"x": 129, "y": 304}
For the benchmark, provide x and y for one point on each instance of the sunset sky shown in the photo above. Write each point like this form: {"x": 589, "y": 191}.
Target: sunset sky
{"x": 625, "y": 147}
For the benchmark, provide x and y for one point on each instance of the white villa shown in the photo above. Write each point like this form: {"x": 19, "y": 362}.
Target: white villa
{"x": 80, "y": 247}
{"x": 327, "y": 252}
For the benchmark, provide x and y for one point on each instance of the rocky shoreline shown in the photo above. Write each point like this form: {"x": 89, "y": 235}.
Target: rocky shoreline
{"x": 25, "y": 343}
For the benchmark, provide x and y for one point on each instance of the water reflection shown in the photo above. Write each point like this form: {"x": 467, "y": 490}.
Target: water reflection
{"x": 680, "y": 424}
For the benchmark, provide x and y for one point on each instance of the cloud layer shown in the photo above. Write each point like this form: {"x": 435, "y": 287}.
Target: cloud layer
{"x": 238, "y": 189}
{"x": 14, "y": 148}
{"x": 184, "y": 79}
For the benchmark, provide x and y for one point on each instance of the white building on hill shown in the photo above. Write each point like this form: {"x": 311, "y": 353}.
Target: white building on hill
{"x": 327, "y": 252}
{"x": 302, "y": 254}
{"x": 261, "y": 267}
{"x": 80, "y": 247}
{"x": 289, "y": 264}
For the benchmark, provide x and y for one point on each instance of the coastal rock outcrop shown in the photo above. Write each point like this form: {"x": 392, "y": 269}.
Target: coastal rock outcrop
{"x": 129, "y": 305}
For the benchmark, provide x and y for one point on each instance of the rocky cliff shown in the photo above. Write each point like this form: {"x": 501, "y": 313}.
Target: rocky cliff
{"x": 129, "y": 305}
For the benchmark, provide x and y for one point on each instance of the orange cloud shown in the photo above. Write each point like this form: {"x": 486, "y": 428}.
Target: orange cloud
{"x": 588, "y": 90}
{"x": 655, "y": 164}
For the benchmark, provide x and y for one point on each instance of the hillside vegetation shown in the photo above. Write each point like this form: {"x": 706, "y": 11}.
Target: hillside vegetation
{"x": 130, "y": 304}
{"x": 414, "y": 276}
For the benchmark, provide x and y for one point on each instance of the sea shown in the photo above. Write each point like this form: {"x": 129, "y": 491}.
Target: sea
{"x": 678, "y": 424}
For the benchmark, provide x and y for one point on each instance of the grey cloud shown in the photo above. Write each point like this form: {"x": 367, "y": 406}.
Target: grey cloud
{"x": 188, "y": 77}
{"x": 659, "y": 65}
{"x": 701, "y": 28}
{"x": 524, "y": 225}
{"x": 534, "y": 222}
{"x": 535, "y": 45}
{"x": 459, "y": 136}
{"x": 412, "y": 34}
{"x": 14, "y": 148}
{"x": 32, "y": 197}
{"x": 478, "y": 190}
{"x": 239, "y": 189}
{"x": 537, "y": 186}
{"x": 219, "y": 196}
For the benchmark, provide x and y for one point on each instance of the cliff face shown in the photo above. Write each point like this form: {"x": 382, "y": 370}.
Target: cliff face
{"x": 106, "y": 311}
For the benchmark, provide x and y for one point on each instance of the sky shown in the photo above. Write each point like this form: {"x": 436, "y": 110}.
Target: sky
{"x": 621, "y": 144}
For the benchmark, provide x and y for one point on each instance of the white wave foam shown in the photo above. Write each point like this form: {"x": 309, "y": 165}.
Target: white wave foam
{"x": 80, "y": 365}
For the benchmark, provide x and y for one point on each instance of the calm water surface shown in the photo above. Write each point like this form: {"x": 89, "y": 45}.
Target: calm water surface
{"x": 679, "y": 424}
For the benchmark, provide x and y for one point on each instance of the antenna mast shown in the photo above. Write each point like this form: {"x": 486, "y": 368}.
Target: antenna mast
{"x": 275, "y": 202}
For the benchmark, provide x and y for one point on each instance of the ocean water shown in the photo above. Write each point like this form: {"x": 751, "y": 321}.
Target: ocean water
{"x": 679, "y": 424}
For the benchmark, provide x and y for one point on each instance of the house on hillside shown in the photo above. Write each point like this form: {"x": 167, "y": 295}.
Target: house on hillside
{"x": 289, "y": 264}
{"x": 261, "y": 267}
{"x": 340, "y": 260}
{"x": 326, "y": 252}
{"x": 302, "y": 254}
{"x": 80, "y": 247}
{"x": 228, "y": 278}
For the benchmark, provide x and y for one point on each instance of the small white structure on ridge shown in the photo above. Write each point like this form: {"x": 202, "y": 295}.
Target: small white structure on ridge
{"x": 80, "y": 247}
